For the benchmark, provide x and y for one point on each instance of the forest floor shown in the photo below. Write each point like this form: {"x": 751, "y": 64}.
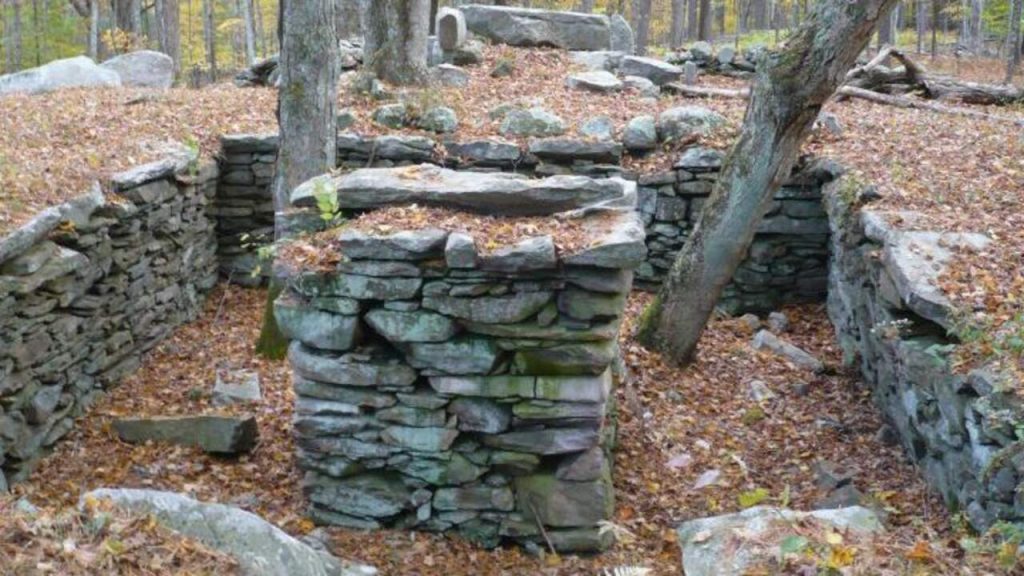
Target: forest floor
{"x": 692, "y": 443}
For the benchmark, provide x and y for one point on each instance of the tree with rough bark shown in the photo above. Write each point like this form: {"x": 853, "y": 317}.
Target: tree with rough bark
{"x": 1013, "y": 39}
{"x": 247, "y": 13}
{"x": 678, "y": 25}
{"x": 210, "y": 38}
{"x": 641, "y": 10}
{"x": 306, "y": 117}
{"x": 395, "y": 42}
{"x": 791, "y": 86}
{"x": 706, "y": 20}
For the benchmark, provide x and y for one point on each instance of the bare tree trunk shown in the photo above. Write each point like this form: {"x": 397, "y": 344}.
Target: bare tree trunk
{"x": 37, "y": 33}
{"x": 586, "y": 6}
{"x": 642, "y": 24}
{"x": 759, "y": 11}
{"x": 306, "y": 116}
{"x": 168, "y": 30}
{"x": 791, "y": 86}
{"x": 249, "y": 22}
{"x": 678, "y": 22}
{"x": 395, "y": 46}
{"x": 210, "y": 38}
{"x": 885, "y": 33}
{"x": 1013, "y": 39}
{"x": 93, "y": 43}
{"x": 14, "y": 52}
{"x": 692, "y": 20}
{"x": 936, "y": 11}
{"x": 707, "y": 18}
{"x": 348, "y": 19}
{"x": 920, "y": 23}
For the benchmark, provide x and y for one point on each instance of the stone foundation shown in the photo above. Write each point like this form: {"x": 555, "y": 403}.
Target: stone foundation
{"x": 445, "y": 384}
{"x": 787, "y": 264}
{"x": 89, "y": 286}
{"x": 962, "y": 429}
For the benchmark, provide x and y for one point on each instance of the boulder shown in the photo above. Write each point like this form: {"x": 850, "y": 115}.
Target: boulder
{"x": 607, "y": 60}
{"x": 78, "y": 72}
{"x": 143, "y": 69}
{"x": 700, "y": 159}
{"x": 493, "y": 152}
{"x": 598, "y": 128}
{"x": 657, "y": 71}
{"x": 641, "y": 134}
{"x": 214, "y": 434}
{"x": 487, "y": 193}
{"x": 622, "y": 39}
{"x": 726, "y": 55}
{"x": 701, "y": 52}
{"x": 439, "y": 119}
{"x": 236, "y": 386}
{"x": 736, "y": 544}
{"x": 645, "y": 87}
{"x": 690, "y": 73}
{"x": 259, "y": 547}
{"x": 450, "y": 75}
{"x": 595, "y": 81}
{"x": 526, "y": 27}
{"x": 568, "y": 150}
{"x": 411, "y": 326}
{"x": 451, "y": 29}
{"x": 390, "y": 115}
{"x": 531, "y": 122}
{"x": 684, "y": 121}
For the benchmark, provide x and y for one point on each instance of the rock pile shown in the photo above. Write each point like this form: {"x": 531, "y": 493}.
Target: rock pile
{"x": 444, "y": 383}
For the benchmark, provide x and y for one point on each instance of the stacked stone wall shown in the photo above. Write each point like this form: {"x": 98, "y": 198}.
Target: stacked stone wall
{"x": 961, "y": 427}
{"x": 787, "y": 263}
{"x": 445, "y": 386}
{"x": 89, "y": 286}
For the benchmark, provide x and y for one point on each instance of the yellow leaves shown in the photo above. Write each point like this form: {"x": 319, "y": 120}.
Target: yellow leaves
{"x": 921, "y": 552}
{"x": 752, "y": 497}
{"x": 305, "y": 526}
{"x": 840, "y": 557}
{"x": 833, "y": 538}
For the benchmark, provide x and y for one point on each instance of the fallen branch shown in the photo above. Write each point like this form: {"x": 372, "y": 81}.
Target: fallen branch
{"x": 706, "y": 92}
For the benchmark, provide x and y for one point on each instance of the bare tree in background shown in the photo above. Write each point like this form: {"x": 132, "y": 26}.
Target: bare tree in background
{"x": 1013, "y": 39}
{"x": 348, "y": 19}
{"x": 128, "y": 16}
{"x": 210, "y": 38}
{"x": 395, "y": 43}
{"x": 790, "y": 88}
{"x": 692, "y": 19}
{"x": 94, "y": 29}
{"x": 678, "y": 26}
{"x": 249, "y": 24}
{"x": 707, "y": 18}
{"x": 586, "y": 6}
{"x": 642, "y": 24}
{"x": 168, "y": 29}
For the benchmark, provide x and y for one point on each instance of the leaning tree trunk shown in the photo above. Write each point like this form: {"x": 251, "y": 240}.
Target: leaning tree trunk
{"x": 395, "y": 47}
{"x": 790, "y": 88}
{"x": 306, "y": 115}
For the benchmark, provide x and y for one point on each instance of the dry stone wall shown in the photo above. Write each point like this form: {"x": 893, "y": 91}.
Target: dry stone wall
{"x": 444, "y": 387}
{"x": 788, "y": 262}
{"x": 963, "y": 429}
{"x": 89, "y": 286}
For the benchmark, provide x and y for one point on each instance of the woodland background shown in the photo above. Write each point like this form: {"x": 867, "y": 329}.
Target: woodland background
{"x": 209, "y": 38}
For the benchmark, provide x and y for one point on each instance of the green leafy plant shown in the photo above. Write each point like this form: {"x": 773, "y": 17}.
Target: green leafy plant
{"x": 752, "y": 497}
{"x": 326, "y": 201}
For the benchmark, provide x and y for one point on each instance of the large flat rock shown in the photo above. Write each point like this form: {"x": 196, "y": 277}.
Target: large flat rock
{"x": 526, "y": 27}
{"x": 260, "y": 547}
{"x": 214, "y": 434}
{"x": 487, "y": 193}
{"x": 143, "y": 68}
{"x": 77, "y": 72}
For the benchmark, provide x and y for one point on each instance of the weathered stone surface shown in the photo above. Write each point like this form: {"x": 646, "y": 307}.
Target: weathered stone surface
{"x": 485, "y": 386}
{"x": 514, "y": 463}
{"x": 566, "y": 359}
{"x": 598, "y": 81}
{"x": 356, "y": 286}
{"x": 584, "y": 305}
{"x": 348, "y": 370}
{"x": 363, "y": 496}
{"x": 710, "y": 546}
{"x": 680, "y": 123}
{"x": 439, "y": 119}
{"x": 598, "y": 127}
{"x": 558, "y": 331}
{"x": 489, "y": 193}
{"x": 455, "y": 471}
{"x": 451, "y": 29}
{"x": 525, "y": 27}
{"x": 564, "y": 504}
{"x": 215, "y": 434}
{"x": 78, "y": 72}
{"x": 461, "y": 355}
{"x": 259, "y": 547}
{"x": 698, "y": 158}
{"x": 415, "y": 326}
{"x": 657, "y": 71}
{"x": 474, "y": 498}
{"x": 390, "y": 115}
{"x": 491, "y": 152}
{"x": 319, "y": 398}
{"x": 31, "y": 261}
{"x": 403, "y": 245}
{"x": 480, "y": 415}
{"x": 545, "y": 442}
{"x": 143, "y": 69}
{"x": 575, "y": 388}
{"x": 531, "y": 122}
{"x": 490, "y": 309}
{"x": 537, "y": 253}
{"x": 584, "y": 467}
{"x": 642, "y": 85}
{"x": 621, "y": 35}
{"x": 767, "y": 341}
{"x": 546, "y": 411}
{"x": 640, "y": 134}
{"x": 450, "y": 75}
{"x": 460, "y": 251}
{"x": 420, "y": 439}
{"x": 618, "y": 242}
{"x": 570, "y": 150}
{"x": 298, "y": 320}
{"x": 237, "y": 386}
{"x": 607, "y": 60}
